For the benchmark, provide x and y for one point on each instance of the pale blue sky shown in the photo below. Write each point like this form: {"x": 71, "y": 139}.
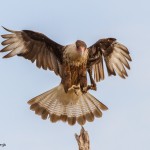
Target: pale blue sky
{"x": 126, "y": 125}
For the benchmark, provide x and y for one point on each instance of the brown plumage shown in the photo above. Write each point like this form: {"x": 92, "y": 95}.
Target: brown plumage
{"x": 70, "y": 101}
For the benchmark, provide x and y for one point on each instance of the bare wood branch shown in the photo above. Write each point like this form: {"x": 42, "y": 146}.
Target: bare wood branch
{"x": 83, "y": 140}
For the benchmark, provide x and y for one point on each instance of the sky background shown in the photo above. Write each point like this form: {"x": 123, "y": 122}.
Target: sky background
{"x": 126, "y": 125}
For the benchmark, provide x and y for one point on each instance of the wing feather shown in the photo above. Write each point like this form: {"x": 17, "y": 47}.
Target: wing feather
{"x": 9, "y": 41}
{"x": 34, "y": 46}
{"x": 121, "y": 58}
{"x": 49, "y": 61}
{"x": 44, "y": 60}
{"x": 10, "y": 47}
{"x": 54, "y": 63}
{"x": 116, "y": 57}
{"x": 6, "y": 36}
{"x": 33, "y": 55}
{"x": 14, "y": 52}
{"x": 39, "y": 58}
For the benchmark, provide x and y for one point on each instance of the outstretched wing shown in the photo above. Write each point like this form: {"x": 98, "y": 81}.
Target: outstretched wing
{"x": 115, "y": 55}
{"x": 34, "y": 46}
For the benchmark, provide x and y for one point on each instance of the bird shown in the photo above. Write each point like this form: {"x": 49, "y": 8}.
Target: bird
{"x": 70, "y": 101}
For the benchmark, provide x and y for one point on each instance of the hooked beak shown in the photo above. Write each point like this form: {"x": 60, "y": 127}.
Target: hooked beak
{"x": 81, "y": 50}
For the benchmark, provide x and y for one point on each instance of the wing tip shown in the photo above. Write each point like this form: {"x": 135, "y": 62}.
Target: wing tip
{"x": 3, "y": 43}
{"x": 1, "y": 51}
{"x": 6, "y": 56}
{"x": 8, "y": 29}
{"x": 130, "y": 59}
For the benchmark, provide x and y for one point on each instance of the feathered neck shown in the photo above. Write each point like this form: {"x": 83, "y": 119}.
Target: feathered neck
{"x": 72, "y": 57}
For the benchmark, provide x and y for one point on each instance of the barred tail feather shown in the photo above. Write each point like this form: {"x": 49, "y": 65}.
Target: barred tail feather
{"x": 69, "y": 107}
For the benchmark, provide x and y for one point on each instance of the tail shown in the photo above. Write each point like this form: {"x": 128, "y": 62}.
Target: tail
{"x": 69, "y": 107}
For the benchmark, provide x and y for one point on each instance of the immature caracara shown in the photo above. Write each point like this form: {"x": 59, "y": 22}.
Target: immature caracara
{"x": 70, "y": 101}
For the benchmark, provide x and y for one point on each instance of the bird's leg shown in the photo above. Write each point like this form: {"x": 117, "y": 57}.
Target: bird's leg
{"x": 66, "y": 77}
{"x": 93, "y": 84}
{"x": 83, "y": 78}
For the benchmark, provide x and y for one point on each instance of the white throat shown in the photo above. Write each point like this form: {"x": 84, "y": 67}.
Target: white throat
{"x": 72, "y": 56}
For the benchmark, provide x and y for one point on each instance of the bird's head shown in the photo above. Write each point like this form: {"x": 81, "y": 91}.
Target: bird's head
{"x": 81, "y": 47}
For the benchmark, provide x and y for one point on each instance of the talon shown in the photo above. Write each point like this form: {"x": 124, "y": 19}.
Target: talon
{"x": 85, "y": 89}
{"x": 75, "y": 88}
{"x": 92, "y": 87}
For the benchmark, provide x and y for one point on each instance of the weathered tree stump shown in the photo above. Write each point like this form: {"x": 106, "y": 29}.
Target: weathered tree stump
{"x": 83, "y": 140}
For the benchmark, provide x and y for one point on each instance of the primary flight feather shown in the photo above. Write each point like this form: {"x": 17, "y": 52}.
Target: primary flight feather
{"x": 70, "y": 101}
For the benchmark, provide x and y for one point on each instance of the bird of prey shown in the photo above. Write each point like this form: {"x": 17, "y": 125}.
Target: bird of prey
{"x": 70, "y": 101}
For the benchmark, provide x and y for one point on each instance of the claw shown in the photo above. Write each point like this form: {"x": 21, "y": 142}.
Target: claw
{"x": 85, "y": 89}
{"x": 92, "y": 87}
